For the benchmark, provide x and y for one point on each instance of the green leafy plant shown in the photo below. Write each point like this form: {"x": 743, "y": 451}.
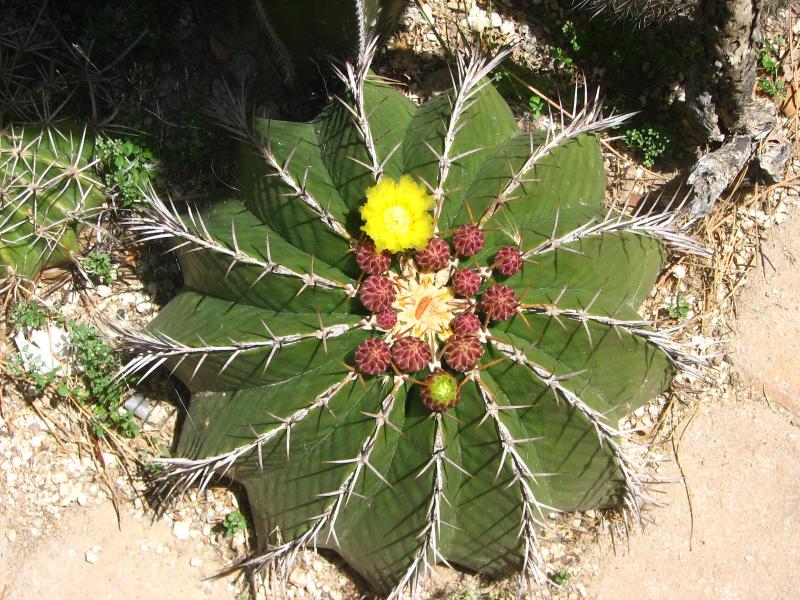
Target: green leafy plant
{"x": 536, "y": 106}
{"x": 97, "y": 265}
{"x": 29, "y": 314}
{"x": 561, "y": 58}
{"x": 649, "y": 142}
{"x": 100, "y": 387}
{"x": 769, "y": 59}
{"x": 568, "y": 29}
{"x": 561, "y": 577}
{"x": 36, "y": 373}
{"x": 47, "y": 193}
{"x": 233, "y": 523}
{"x": 680, "y": 309}
{"x": 433, "y": 403}
{"x": 126, "y": 167}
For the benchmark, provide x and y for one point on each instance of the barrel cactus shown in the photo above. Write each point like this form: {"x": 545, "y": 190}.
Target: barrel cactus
{"x": 433, "y": 391}
{"x": 48, "y": 192}
{"x": 643, "y": 12}
{"x": 305, "y": 35}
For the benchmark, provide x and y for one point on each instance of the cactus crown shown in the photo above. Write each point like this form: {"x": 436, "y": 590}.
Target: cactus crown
{"x": 407, "y": 445}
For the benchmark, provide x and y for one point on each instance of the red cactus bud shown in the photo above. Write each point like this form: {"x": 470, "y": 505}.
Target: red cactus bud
{"x": 410, "y": 354}
{"x": 440, "y": 391}
{"x": 466, "y": 282}
{"x": 463, "y": 352}
{"x": 377, "y": 293}
{"x": 373, "y": 356}
{"x": 370, "y": 261}
{"x": 466, "y": 323}
{"x": 434, "y": 256}
{"x": 387, "y": 319}
{"x": 499, "y": 303}
{"x": 508, "y": 260}
{"x": 468, "y": 240}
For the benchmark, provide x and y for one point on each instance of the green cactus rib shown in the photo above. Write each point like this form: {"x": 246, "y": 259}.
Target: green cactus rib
{"x": 264, "y": 335}
{"x": 47, "y": 193}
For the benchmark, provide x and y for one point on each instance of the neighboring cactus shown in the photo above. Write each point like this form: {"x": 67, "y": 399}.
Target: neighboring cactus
{"x": 47, "y": 193}
{"x": 642, "y": 12}
{"x": 305, "y": 35}
{"x": 405, "y": 447}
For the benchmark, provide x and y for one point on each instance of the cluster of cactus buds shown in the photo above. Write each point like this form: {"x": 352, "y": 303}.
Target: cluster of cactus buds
{"x": 459, "y": 274}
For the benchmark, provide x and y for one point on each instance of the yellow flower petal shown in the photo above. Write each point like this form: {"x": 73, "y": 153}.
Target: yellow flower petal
{"x": 396, "y": 215}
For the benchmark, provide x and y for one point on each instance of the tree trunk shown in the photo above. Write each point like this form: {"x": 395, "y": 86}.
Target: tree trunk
{"x": 721, "y": 104}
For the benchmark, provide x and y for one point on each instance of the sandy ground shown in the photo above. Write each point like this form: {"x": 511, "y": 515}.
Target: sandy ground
{"x": 741, "y": 463}
{"x": 94, "y": 555}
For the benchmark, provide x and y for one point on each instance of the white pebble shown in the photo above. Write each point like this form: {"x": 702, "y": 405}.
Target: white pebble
{"x": 195, "y": 562}
{"x": 181, "y": 530}
{"x": 91, "y": 555}
{"x": 679, "y": 271}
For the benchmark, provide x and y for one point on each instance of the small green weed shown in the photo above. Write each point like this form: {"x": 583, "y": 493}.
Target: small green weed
{"x": 98, "y": 266}
{"x": 99, "y": 364}
{"x": 649, "y": 142}
{"x": 680, "y": 309}
{"x": 38, "y": 375}
{"x": 536, "y": 106}
{"x": 561, "y": 59}
{"x": 769, "y": 61}
{"x": 561, "y": 577}
{"x": 126, "y": 166}
{"x": 234, "y": 523}
{"x": 29, "y": 314}
{"x": 568, "y": 29}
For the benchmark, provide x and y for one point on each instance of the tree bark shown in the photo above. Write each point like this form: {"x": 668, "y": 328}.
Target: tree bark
{"x": 721, "y": 102}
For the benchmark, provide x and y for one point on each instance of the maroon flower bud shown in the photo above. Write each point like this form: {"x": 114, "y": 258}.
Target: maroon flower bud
{"x": 466, "y": 282}
{"x": 377, "y": 293}
{"x": 468, "y": 240}
{"x": 463, "y": 352}
{"x": 387, "y": 319}
{"x": 370, "y": 261}
{"x": 410, "y": 354}
{"x": 434, "y": 256}
{"x": 508, "y": 260}
{"x": 466, "y": 323}
{"x": 373, "y": 356}
{"x": 499, "y": 303}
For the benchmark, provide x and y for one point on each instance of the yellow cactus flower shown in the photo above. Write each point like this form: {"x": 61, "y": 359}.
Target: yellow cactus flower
{"x": 396, "y": 215}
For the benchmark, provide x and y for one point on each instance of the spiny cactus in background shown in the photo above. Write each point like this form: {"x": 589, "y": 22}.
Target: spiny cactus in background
{"x": 47, "y": 193}
{"x": 305, "y": 35}
{"x": 642, "y": 12}
{"x": 404, "y": 402}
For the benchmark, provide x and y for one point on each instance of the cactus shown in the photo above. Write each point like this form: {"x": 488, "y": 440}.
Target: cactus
{"x": 305, "y": 35}
{"x": 47, "y": 193}
{"x": 643, "y": 12}
{"x": 451, "y": 430}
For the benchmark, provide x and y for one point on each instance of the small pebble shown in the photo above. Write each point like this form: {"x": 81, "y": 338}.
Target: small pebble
{"x": 181, "y": 530}
{"x": 91, "y": 555}
{"x": 195, "y": 562}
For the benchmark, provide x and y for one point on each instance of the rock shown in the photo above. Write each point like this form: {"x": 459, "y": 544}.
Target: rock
{"x": 297, "y": 579}
{"x": 92, "y": 555}
{"x": 11, "y": 535}
{"x": 59, "y": 477}
{"x": 139, "y": 406}
{"x": 181, "y": 530}
{"x": 195, "y": 562}
{"x": 772, "y": 159}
